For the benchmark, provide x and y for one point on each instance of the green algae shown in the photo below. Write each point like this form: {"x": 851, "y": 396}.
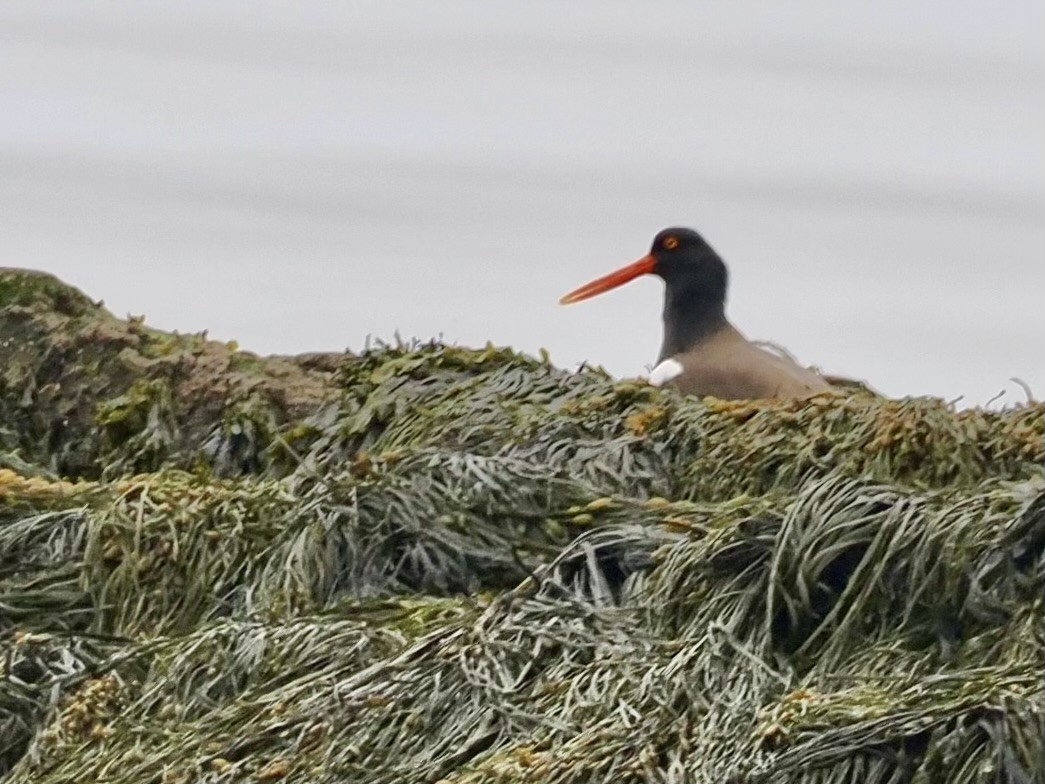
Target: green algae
{"x": 462, "y": 565}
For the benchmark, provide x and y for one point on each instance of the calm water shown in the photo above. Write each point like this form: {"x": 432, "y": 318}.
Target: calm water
{"x": 297, "y": 176}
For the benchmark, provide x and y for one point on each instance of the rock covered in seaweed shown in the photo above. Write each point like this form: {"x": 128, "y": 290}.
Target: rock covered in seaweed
{"x": 435, "y": 563}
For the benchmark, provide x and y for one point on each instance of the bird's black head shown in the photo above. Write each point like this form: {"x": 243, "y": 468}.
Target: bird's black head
{"x": 689, "y": 266}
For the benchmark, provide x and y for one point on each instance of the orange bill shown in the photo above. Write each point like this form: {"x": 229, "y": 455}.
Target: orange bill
{"x": 643, "y": 266}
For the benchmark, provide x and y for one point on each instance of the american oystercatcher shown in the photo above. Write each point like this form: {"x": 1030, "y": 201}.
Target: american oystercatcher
{"x": 703, "y": 353}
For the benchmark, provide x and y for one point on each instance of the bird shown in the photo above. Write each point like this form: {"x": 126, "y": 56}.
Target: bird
{"x": 702, "y": 353}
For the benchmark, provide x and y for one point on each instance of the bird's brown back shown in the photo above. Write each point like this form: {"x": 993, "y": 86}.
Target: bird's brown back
{"x": 728, "y": 366}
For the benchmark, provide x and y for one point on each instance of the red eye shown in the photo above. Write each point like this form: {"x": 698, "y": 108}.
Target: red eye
{"x": 671, "y": 243}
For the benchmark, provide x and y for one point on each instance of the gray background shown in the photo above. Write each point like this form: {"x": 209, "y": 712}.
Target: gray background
{"x": 297, "y": 176}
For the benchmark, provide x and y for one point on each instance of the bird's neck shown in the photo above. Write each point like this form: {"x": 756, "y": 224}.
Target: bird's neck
{"x": 691, "y": 316}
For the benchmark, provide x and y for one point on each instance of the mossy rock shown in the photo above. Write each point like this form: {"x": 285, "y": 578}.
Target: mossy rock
{"x": 434, "y": 563}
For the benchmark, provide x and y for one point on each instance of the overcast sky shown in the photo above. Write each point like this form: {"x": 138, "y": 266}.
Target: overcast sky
{"x": 297, "y": 176}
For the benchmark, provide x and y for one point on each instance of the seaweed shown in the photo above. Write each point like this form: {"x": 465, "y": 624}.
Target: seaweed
{"x": 430, "y": 563}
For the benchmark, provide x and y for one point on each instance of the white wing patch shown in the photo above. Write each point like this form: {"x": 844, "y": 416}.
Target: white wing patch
{"x": 665, "y": 372}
